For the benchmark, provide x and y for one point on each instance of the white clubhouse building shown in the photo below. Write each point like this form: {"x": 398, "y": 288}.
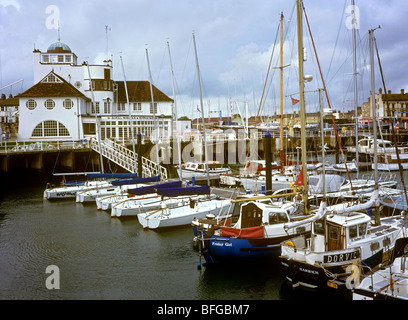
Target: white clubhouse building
{"x": 71, "y": 101}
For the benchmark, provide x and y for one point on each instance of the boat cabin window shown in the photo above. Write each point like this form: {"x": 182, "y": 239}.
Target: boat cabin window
{"x": 201, "y": 167}
{"x": 384, "y": 144}
{"x": 357, "y": 231}
{"x": 277, "y": 217}
{"x": 333, "y": 233}
{"x": 364, "y": 143}
{"x": 318, "y": 227}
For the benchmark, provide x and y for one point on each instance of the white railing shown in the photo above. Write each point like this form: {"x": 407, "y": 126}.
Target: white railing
{"x": 125, "y": 158}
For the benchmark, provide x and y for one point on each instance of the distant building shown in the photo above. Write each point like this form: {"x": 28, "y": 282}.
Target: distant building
{"x": 397, "y": 109}
{"x": 71, "y": 101}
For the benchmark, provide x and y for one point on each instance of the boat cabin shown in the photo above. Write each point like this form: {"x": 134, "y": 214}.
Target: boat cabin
{"x": 258, "y": 166}
{"x": 367, "y": 145}
{"x": 201, "y": 166}
{"x": 254, "y": 214}
{"x": 338, "y": 231}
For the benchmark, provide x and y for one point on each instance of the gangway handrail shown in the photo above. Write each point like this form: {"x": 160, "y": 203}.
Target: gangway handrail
{"x": 123, "y": 157}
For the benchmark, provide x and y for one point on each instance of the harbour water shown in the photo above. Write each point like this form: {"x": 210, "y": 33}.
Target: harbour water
{"x": 101, "y": 258}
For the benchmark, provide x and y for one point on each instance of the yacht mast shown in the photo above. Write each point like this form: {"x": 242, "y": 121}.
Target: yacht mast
{"x": 354, "y": 28}
{"x": 130, "y": 116}
{"x": 281, "y": 90}
{"x": 374, "y": 110}
{"x": 175, "y": 113}
{"x": 202, "y": 111}
{"x": 299, "y": 4}
{"x": 154, "y": 133}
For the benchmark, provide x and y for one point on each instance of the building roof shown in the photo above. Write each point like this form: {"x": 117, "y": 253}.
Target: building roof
{"x": 58, "y": 89}
{"x": 58, "y": 47}
{"x": 10, "y": 102}
{"x": 140, "y": 91}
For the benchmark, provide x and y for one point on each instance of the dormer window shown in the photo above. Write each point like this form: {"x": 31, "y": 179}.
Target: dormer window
{"x": 46, "y": 58}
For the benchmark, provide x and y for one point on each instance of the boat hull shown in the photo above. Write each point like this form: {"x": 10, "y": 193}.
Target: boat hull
{"x": 189, "y": 174}
{"x": 183, "y": 216}
{"x": 227, "y": 250}
{"x": 70, "y": 192}
{"x": 259, "y": 184}
{"x": 301, "y": 273}
{"x": 91, "y": 195}
{"x": 132, "y": 207}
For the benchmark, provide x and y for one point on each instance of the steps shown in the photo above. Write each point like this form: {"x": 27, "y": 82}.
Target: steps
{"x": 124, "y": 157}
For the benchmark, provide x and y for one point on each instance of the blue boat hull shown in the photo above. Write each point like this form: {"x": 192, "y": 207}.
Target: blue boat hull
{"x": 226, "y": 249}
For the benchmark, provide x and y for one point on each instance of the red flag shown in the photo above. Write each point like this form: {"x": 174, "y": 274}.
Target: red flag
{"x": 294, "y": 101}
{"x": 299, "y": 180}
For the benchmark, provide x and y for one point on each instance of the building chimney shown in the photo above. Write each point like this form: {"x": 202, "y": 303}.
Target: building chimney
{"x": 402, "y": 91}
{"x": 380, "y": 90}
{"x": 389, "y": 91}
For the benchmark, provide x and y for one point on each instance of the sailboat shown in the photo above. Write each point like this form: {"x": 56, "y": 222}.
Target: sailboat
{"x": 391, "y": 281}
{"x": 137, "y": 199}
{"x": 344, "y": 243}
{"x": 262, "y": 224}
{"x": 199, "y": 207}
{"x": 254, "y": 180}
{"x": 94, "y": 181}
{"x": 69, "y": 191}
{"x": 179, "y": 211}
{"x": 117, "y": 187}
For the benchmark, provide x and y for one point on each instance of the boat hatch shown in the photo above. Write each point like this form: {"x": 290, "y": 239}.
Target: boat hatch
{"x": 335, "y": 235}
{"x": 251, "y": 215}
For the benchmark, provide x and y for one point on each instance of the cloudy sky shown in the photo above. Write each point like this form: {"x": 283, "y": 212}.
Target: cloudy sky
{"x": 235, "y": 42}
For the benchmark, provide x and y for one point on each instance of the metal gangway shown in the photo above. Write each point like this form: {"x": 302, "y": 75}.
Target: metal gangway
{"x": 124, "y": 157}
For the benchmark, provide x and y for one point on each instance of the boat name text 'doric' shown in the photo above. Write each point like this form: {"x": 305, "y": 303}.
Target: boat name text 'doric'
{"x": 333, "y": 258}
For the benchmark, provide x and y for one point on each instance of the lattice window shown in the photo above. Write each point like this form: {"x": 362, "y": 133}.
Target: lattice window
{"x": 31, "y": 104}
{"x": 51, "y": 78}
{"x": 50, "y": 128}
{"x": 68, "y": 104}
{"x": 49, "y": 104}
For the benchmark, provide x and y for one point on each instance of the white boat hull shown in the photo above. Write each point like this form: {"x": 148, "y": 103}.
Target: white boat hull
{"x": 70, "y": 192}
{"x": 390, "y": 166}
{"x": 181, "y": 216}
{"x": 105, "y": 203}
{"x": 91, "y": 195}
{"x": 133, "y": 206}
{"x": 188, "y": 174}
{"x": 256, "y": 184}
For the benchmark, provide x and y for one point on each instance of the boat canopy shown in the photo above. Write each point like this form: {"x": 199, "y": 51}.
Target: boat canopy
{"x": 174, "y": 192}
{"x": 152, "y": 189}
{"x": 135, "y": 181}
{"x": 333, "y": 183}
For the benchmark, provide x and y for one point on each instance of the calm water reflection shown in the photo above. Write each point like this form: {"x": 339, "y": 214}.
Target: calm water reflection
{"x": 100, "y": 257}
